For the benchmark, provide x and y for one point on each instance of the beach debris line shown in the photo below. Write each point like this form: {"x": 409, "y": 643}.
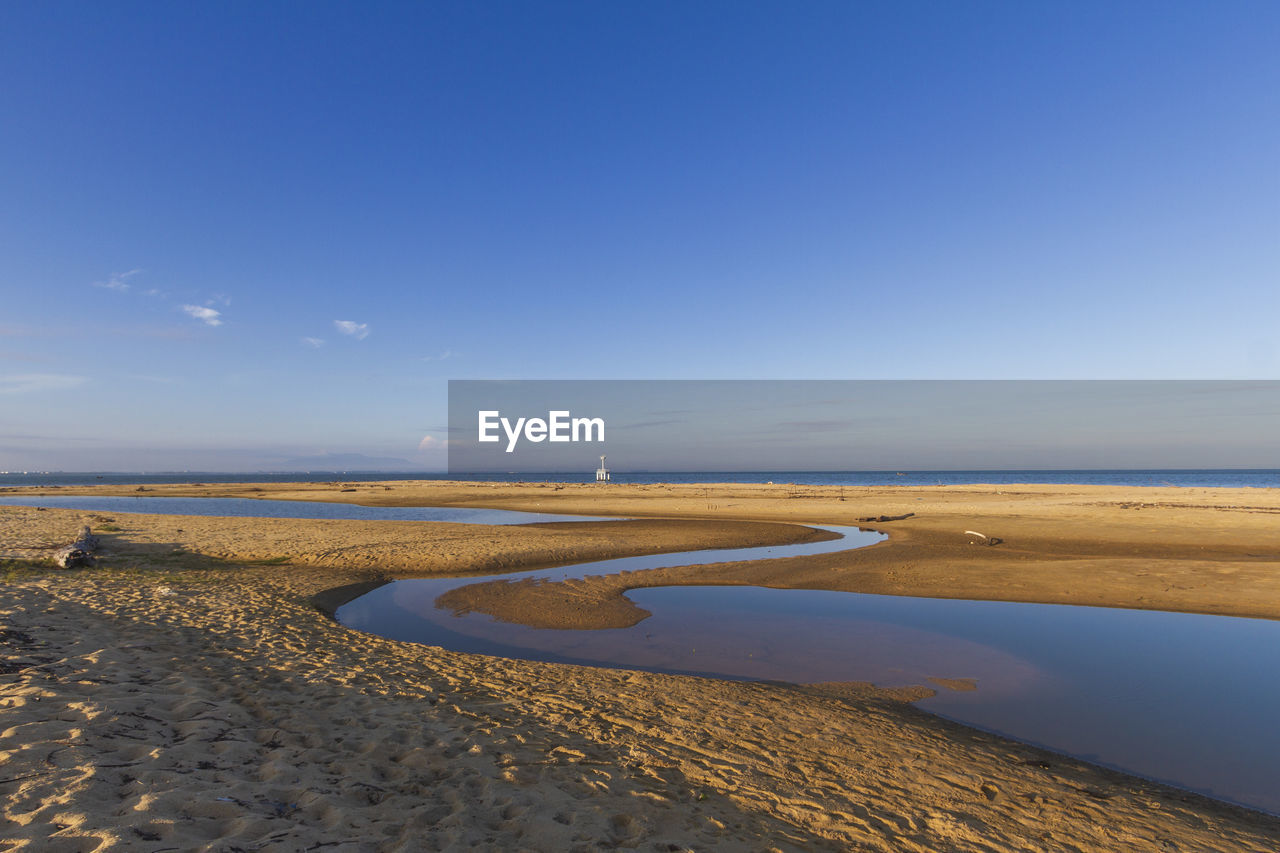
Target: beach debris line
{"x": 78, "y": 553}
{"x": 986, "y": 540}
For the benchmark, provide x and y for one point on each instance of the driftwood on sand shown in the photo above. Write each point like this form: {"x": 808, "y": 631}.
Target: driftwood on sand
{"x": 78, "y": 553}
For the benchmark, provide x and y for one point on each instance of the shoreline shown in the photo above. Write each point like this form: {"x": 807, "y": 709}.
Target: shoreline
{"x": 194, "y": 623}
{"x": 1212, "y": 551}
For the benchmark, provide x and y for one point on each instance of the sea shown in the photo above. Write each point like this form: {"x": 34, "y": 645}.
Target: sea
{"x": 1254, "y": 478}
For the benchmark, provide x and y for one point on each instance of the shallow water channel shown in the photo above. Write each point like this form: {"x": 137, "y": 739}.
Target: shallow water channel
{"x": 1182, "y": 698}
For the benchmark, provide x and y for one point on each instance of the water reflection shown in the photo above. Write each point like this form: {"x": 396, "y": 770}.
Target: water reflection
{"x": 1182, "y": 698}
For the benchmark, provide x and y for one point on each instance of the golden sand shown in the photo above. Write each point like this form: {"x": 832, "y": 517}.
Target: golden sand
{"x": 189, "y": 694}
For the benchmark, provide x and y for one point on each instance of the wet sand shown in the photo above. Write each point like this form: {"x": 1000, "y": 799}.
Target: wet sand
{"x": 189, "y": 694}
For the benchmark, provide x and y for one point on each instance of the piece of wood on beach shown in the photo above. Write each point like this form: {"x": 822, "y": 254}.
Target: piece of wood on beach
{"x": 883, "y": 518}
{"x": 80, "y": 552}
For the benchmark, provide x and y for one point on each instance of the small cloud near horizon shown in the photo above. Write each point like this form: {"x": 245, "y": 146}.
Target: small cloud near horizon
{"x": 314, "y": 343}
{"x": 204, "y": 314}
{"x": 359, "y": 331}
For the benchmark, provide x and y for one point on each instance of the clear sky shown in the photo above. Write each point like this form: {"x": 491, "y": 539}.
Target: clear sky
{"x": 237, "y": 234}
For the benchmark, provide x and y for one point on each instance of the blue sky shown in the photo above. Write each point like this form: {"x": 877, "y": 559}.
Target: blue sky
{"x": 608, "y": 190}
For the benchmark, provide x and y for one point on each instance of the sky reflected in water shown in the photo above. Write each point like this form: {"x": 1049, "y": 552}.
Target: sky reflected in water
{"x": 1182, "y": 698}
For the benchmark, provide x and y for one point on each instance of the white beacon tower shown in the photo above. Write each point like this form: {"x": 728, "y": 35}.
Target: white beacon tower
{"x": 602, "y": 473}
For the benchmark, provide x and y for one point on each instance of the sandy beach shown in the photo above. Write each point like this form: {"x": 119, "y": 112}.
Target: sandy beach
{"x": 191, "y": 692}
{"x": 303, "y": 252}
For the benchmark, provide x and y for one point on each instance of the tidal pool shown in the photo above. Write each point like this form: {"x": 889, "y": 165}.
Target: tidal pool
{"x": 1181, "y": 698}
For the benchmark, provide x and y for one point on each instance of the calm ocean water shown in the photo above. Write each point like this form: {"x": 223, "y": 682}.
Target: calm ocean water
{"x": 1262, "y": 478}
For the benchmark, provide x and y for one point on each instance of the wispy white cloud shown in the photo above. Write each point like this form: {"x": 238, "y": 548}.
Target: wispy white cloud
{"x": 444, "y": 356}
{"x": 118, "y": 280}
{"x": 359, "y": 331}
{"x": 23, "y": 383}
{"x": 204, "y": 314}
{"x": 314, "y": 343}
